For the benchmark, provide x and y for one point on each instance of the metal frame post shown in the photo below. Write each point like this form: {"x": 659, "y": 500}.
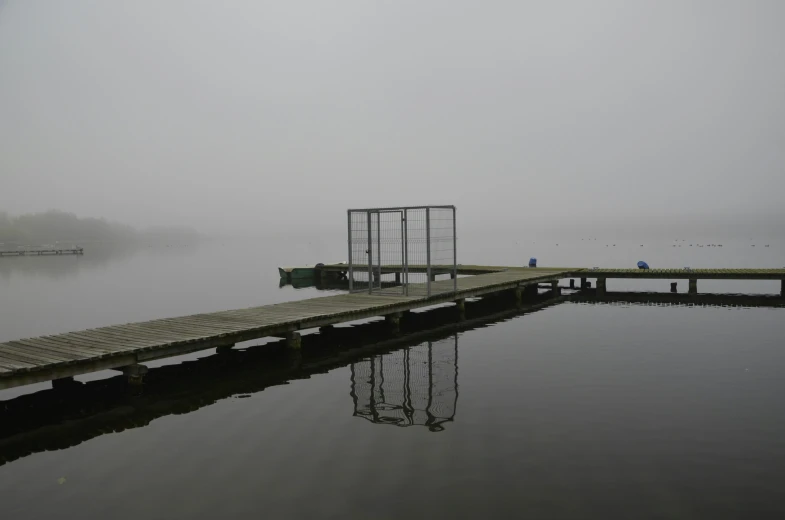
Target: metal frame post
{"x": 454, "y": 254}
{"x": 406, "y": 250}
{"x": 379, "y": 246}
{"x": 351, "y": 266}
{"x": 370, "y": 255}
{"x": 403, "y": 246}
{"x": 428, "y": 247}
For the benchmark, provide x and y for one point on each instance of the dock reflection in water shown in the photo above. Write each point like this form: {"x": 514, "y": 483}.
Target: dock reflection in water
{"x": 414, "y": 386}
{"x": 420, "y": 367}
{"x": 405, "y": 380}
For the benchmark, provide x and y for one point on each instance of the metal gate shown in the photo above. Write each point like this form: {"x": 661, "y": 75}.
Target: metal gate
{"x": 403, "y": 250}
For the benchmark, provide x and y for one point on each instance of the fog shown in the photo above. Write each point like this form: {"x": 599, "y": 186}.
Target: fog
{"x": 249, "y": 117}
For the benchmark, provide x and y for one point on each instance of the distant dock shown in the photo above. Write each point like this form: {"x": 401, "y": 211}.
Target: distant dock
{"x": 42, "y": 252}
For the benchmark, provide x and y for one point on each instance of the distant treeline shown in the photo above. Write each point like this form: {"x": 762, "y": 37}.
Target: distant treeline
{"x": 58, "y": 226}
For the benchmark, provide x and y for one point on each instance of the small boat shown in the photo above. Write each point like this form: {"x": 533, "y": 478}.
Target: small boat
{"x": 299, "y": 273}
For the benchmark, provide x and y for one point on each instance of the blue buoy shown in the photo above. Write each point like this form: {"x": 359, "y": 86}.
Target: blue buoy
{"x": 532, "y": 262}
{"x": 643, "y": 265}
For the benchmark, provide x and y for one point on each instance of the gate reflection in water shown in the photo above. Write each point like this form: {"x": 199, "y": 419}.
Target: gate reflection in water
{"x": 414, "y": 386}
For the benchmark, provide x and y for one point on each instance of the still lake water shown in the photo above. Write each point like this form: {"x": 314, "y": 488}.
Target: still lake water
{"x": 573, "y": 411}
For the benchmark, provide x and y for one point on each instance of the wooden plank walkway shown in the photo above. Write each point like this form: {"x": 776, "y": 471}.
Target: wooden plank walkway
{"x": 42, "y": 252}
{"x": 682, "y": 274}
{"x": 45, "y": 358}
{"x": 590, "y": 272}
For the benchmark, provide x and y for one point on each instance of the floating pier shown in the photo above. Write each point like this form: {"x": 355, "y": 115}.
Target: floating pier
{"x": 42, "y": 252}
{"x": 126, "y": 347}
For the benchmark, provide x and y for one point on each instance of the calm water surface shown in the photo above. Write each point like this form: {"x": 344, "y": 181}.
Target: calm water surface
{"x": 572, "y": 411}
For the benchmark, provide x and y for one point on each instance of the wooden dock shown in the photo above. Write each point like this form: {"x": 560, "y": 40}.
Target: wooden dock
{"x": 126, "y": 347}
{"x": 42, "y": 252}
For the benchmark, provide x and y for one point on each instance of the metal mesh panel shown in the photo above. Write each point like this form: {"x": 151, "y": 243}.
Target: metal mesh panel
{"x": 403, "y": 250}
{"x": 409, "y": 387}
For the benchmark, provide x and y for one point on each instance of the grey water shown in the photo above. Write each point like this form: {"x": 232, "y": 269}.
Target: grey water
{"x": 572, "y": 411}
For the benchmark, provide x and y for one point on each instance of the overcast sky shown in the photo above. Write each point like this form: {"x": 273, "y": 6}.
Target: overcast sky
{"x": 243, "y": 115}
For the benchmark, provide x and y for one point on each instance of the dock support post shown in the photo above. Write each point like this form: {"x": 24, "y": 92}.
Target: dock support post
{"x": 601, "y": 286}
{"x": 327, "y": 329}
{"x": 583, "y": 283}
{"x": 460, "y": 304}
{"x": 572, "y": 283}
{"x": 782, "y": 288}
{"x": 433, "y": 277}
{"x": 693, "y": 286}
{"x": 293, "y": 340}
{"x": 555, "y": 288}
{"x": 394, "y": 321}
{"x": 398, "y": 278}
{"x": 223, "y": 349}
{"x": 674, "y": 287}
{"x": 134, "y": 373}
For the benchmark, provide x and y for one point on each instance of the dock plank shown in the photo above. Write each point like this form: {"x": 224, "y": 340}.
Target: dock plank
{"x": 94, "y": 340}
{"x": 12, "y": 353}
{"x": 119, "y": 340}
{"x": 37, "y": 355}
{"x": 87, "y": 351}
{"x": 13, "y": 364}
{"x": 66, "y": 352}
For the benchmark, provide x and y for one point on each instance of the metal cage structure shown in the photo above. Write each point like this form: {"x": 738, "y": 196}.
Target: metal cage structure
{"x": 403, "y": 250}
{"x": 413, "y": 386}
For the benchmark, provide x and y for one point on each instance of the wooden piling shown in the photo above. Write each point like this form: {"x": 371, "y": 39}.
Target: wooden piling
{"x": 293, "y": 340}
{"x": 693, "y": 286}
{"x": 394, "y": 321}
{"x": 134, "y": 373}
{"x": 460, "y": 305}
{"x": 601, "y": 283}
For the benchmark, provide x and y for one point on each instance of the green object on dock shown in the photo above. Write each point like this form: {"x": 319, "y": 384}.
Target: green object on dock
{"x": 297, "y": 273}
